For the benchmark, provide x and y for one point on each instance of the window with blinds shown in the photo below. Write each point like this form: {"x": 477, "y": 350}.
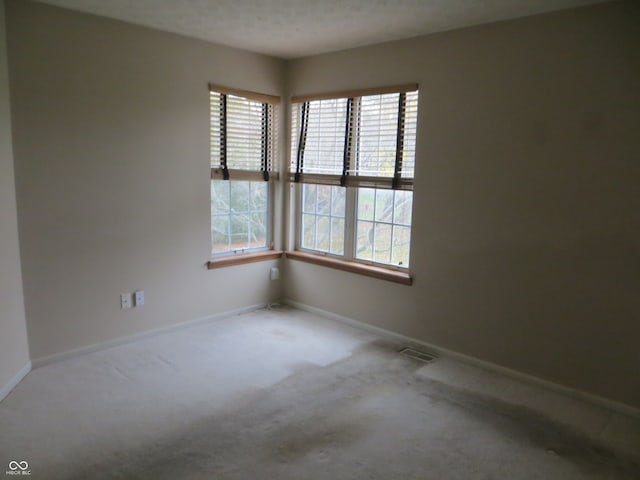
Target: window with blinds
{"x": 243, "y": 134}
{"x": 359, "y": 140}
{"x": 367, "y": 141}
{"x": 243, "y": 140}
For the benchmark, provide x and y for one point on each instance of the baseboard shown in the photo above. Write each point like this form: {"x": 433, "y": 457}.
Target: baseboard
{"x": 611, "y": 405}
{"x": 17, "y": 378}
{"x": 58, "y": 357}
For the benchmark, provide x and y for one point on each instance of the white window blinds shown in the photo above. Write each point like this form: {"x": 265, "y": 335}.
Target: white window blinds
{"x": 243, "y": 128}
{"x": 324, "y": 143}
{"x": 360, "y": 140}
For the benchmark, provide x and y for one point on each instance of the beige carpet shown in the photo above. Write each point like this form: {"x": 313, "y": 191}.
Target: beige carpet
{"x": 284, "y": 394}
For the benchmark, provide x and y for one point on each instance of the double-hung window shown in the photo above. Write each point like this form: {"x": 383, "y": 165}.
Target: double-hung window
{"x": 243, "y": 127}
{"x": 354, "y": 157}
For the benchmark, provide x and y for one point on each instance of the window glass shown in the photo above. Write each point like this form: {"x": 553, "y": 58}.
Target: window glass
{"x": 239, "y": 215}
{"x": 383, "y": 226}
{"x": 323, "y": 218}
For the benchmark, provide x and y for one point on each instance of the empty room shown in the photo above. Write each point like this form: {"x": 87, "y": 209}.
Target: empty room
{"x": 320, "y": 239}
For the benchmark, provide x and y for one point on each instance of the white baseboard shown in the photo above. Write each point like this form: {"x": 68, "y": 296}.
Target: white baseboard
{"x": 606, "y": 403}
{"x": 17, "y": 378}
{"x": 58, "y": 357}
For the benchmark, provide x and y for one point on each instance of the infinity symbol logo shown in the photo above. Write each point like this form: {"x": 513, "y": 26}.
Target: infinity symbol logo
{"x": 23, "y": 465}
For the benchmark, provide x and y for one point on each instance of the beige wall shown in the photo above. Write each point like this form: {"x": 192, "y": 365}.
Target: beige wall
{"x": 526, "y": 239}
{"x": 112, "y": 175}
{"x": 14, "y": 353}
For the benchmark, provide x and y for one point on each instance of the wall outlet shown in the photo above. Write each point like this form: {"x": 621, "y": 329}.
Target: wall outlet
{"x": 125, "y": 301}
{"x": 275, "y": 273}
{"x": 139, "y": 298}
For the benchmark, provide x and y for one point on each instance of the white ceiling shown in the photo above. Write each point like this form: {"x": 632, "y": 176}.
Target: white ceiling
{"x": 296, "y": 28}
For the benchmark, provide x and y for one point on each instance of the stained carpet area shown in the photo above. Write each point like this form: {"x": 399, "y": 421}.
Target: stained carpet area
{"x": 281, "y": 395}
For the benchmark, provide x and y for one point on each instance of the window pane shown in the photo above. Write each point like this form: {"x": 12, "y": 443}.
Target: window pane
{"x": 308, "y": 231}
{"x": 384, "y": 205}
{"x": 239, "y": 215}
{"x": 219, "y": 233}
{"x": 401, "y": 242}
{"x": 239, "y": 196}
{"x": 403, "y": 203}
{"x": 366, "y": 203}
{"x": 258, "y": 230}
{"x": 324, "y": 199}
{"x": 364, "y": 241}
{"x": 239, "y": 231}
{"x": 259, "y": 195}
{"x": 338, "y": 201}
{"x": 323, "y": 233}
{"x": 386, "y": 239}
{"x": 219, "y": 197}
{"x": 309, "y": 198}
{"x": 323, "y": 208}
{"x": 382, "y": 243}
{"x": 337, "y": 236}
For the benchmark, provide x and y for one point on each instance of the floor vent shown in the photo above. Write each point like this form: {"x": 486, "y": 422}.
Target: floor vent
{"x": 418, "y": 355}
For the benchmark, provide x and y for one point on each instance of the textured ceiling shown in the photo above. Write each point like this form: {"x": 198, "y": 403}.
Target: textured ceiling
{"x": 295, "y": 28}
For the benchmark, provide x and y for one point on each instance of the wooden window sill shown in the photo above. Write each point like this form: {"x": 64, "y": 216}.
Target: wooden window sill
{"x": 353, "y": 267}
{"x": 243, "y": 258}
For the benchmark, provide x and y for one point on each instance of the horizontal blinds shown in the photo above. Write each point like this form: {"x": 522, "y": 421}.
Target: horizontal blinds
{"x": 356, "y": 141}
{"x": 242, "y": 136}
{"x": 410, "y": 126}
{"x": 377, "y": 135}
{"x": 296, "y": 112}
{"x": 324, "y": 145}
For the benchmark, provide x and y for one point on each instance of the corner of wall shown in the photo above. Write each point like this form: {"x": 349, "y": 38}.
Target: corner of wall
{"x": 14, "y": 348}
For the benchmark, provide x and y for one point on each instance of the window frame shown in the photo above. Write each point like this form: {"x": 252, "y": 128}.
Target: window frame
{"x": 348, "y": 260}
{"x": 269, "y": 174}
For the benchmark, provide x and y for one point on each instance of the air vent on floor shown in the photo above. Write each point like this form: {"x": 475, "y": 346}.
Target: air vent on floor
{"x": 418, "y": 355}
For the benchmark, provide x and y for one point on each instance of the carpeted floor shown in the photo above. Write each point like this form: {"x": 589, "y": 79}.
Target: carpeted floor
{"x": 284, "y": 394}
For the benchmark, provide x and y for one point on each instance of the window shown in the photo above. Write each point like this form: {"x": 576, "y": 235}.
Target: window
{"x": 354, "y": 156}
{"x": 323, "y": 218}
{"x": 243, "y": 142}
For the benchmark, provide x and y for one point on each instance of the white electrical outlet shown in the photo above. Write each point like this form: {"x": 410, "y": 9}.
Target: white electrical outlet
{"x": 125, "y": 301}
{"x": 275, "y": 273}
{"x": 139, "y": 298}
